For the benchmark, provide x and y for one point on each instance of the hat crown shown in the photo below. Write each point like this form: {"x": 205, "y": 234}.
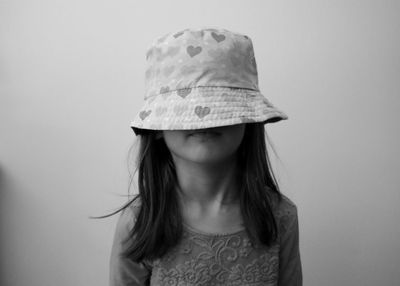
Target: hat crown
{"x": 200, "y": 58}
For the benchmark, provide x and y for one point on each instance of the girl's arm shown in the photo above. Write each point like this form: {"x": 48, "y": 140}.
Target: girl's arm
{"x": 124, "y": 271}
{"x": 290, "y": 270}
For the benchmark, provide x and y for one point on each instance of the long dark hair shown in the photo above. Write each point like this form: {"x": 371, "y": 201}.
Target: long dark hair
{"x": 158, "y": 225}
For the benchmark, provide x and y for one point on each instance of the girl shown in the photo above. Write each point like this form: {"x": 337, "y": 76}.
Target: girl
{"x": 209, "y": 211}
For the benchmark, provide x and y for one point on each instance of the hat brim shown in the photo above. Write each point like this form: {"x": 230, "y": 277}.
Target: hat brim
{"x": 205, "y": 107}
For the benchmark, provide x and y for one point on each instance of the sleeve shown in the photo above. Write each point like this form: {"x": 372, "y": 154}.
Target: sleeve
{"x": 290, "y": 269}
{"x": 124, "y": 271}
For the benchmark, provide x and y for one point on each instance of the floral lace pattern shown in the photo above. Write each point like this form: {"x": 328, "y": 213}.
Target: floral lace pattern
{"x": 230, "y": 259}
{"x": 225, "y": 259}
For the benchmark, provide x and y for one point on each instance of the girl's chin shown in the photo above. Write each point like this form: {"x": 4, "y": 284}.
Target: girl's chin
{"x": 208, "y": 158}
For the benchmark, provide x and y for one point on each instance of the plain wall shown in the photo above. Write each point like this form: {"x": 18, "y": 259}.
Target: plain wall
{"x": 72, "y": 79}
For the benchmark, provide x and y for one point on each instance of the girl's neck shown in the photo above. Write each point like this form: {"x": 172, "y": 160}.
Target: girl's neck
{"x": 207, "y": 184}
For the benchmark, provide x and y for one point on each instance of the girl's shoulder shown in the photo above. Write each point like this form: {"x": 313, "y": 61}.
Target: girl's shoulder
{"x": 283, "y": 206}
{"x": 129, "y": 214}
{"x": 285, "y": 212}
{"x": 132, "y": 210}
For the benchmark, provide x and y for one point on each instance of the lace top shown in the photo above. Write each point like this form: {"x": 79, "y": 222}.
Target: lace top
{"x": 215, "y": 259}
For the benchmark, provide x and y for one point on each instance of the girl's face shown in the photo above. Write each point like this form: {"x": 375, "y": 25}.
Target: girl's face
{"x": 210, "y": 145}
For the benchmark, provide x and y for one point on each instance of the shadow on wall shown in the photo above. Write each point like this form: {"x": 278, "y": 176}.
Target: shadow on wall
{"x": 7, "y": 229}
{"x": 8, "y": 254}
{"x": 4, "y": 189}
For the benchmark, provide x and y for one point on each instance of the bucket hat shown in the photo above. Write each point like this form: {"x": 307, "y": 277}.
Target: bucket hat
{"x": 202, "y": 78}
